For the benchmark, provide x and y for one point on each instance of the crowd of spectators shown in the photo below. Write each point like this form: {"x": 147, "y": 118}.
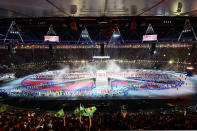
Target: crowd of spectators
{"x": 19, "y": 119}
{"x": 32, "y": 68}
{"x": 21, "y": 56}
{"x": 136, "y": 57}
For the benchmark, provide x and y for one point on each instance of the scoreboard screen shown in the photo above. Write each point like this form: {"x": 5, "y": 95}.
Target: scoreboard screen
{"x": 51, "y": 38}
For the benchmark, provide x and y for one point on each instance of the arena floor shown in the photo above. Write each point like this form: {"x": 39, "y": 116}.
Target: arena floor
{"x": 103, "y": 84}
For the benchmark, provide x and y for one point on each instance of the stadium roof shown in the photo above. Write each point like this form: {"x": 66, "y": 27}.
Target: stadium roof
{"x": 98, "y": 8}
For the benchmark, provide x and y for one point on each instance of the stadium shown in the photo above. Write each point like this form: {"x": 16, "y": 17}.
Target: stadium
{"x": 132, "y": 64}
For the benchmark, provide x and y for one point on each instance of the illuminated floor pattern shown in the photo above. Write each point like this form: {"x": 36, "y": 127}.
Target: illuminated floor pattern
{"x": 123, "y": 84}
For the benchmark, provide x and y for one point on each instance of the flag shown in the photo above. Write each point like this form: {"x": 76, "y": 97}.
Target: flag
{"x": 60, "y": 113}
{"x": 76, "y": 111}
{"x": 91, "y": 110}
{"x": 3, "y": 108}
{"x": 83, "y": 111}
{"x": 87, "y": 111}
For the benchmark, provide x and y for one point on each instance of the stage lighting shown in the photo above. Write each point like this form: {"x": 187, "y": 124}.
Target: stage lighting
{"x": 180, "y": 5}
{"x": 14, "y": 32}
{"x": 84, "y": 36}
{"x": 116, "y": 35}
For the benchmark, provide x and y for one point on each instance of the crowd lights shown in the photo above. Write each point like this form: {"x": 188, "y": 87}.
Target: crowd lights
{"x": 116, "y": 35}
{"x": 83, "y": 61}
{"x": 123, "y": 61}
{"x": 190, "y": 68}
{"x": 171, "y": 62}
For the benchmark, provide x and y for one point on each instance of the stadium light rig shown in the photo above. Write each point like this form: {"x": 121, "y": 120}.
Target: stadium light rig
{"x": 14, "y": 32}
{"x": 84, "y": 36}
{"x": 116, "y": 35}
{"x": 185, "y": 31}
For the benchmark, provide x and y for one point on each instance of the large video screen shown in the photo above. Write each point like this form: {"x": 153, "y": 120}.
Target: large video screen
{"x": 149, "y": 37}
{"x": 51, "y": 38}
